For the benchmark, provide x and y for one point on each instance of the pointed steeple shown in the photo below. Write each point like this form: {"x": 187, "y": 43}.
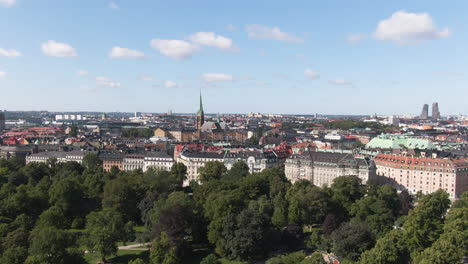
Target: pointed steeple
{"x": 200, "y": 114}
{"x": 200, "y": 110}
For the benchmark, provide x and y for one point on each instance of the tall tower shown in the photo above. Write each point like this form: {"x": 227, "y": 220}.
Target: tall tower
{"x": 200, "y": 115}
{"x": 435, "y": 111}
{"x": 2, "y": 121}
{"x": 425, "y": 112}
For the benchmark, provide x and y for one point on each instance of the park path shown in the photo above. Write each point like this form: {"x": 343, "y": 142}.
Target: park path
{"x": 135, "y": 246}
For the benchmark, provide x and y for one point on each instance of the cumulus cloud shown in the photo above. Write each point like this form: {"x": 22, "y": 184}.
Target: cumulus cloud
{"x": 340, "y": 82}
{"x": 273, "y": 33}
{"x": 104, "y": 81}
{"x": 311, "y": 75}
{"x": 2, "y": 74}
{"x": 113, "y": 5}
{"x": 170, "y": 84}
{"x": 7, "y": 3}
{"x": 217, "y": 77}
{"x": 10, "y": 53}
{"x": 57, "y": 49}
{"x": 405, "y": 28}
{"x": 173, "y": 48}
{"x": 355, "y": 38}
{"x": 124, "y": 53}
{"x": 82, "y": 72}
{"x": 210, "y": 39}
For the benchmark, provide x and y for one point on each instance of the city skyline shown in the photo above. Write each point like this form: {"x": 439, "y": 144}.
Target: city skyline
{"x": 300, "y": 58}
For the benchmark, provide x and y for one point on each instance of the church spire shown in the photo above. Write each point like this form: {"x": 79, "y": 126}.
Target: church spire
{"x": 200, "y": 114}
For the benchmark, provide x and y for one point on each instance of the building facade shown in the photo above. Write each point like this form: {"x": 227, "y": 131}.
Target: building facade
{"x": 257, "y": 161}
{"x": 322, "y": 168}
{"x": 133, "y": 162}
{"x": 423, "y": 174}
{"x": 157, "y": 160}
{"x": 195, "y": 160}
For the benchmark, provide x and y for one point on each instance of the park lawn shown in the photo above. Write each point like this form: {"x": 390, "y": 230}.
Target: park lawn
{"x": 123, "y": 257}
{"x": 140, "y": 229}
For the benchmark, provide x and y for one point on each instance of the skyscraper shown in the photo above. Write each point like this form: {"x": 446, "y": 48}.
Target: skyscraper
{"x": 2, "y": 122}
{"x": 435, "y": 111}
{"x": 425, "y": 112}
{"x": 200, "y": 115}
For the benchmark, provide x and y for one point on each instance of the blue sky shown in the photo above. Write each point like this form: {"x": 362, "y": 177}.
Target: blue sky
{"x": 329, "y": 57}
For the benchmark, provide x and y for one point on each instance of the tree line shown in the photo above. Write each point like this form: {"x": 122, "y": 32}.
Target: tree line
{"x": 55, "y": 212}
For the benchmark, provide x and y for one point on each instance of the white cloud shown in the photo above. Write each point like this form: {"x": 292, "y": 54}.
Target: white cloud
{"x": 103, "y": 81}
{"x": 146, "y": 78}
{"x": 217, "y": 77}
{"x": 170, "y": 84}
{"x": 82, "y": 72}
{"x": 10, "y": 53}
{"x": 340, "y": 82}
{"x": 113, "y": 5}
{"x": 3, "y": 74}
{"x": 406, "y": 28}
{"x": 118, "y": 52}
{"x": 57, "y": 49}
{"x": 274, "y": 33}
{"x": 311, "y": 75}
{"x": 7, "y": 3}
{"x": 173, "y": 48}
{"x": 355, "y": 38}
{"x": 210, "y": 39}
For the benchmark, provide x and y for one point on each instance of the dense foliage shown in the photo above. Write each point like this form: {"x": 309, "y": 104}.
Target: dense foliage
{"x": 55, "y": 212}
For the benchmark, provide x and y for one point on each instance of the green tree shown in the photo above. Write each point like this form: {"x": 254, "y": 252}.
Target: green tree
{"x": 212, "y": 170}
{"x": 452, "y": 245}
{"x": 123, "y": 195}
{"x": 390, "y": 249}
{"x": 239, "y": 170}
{"x": 346, "y": 190}
{"x": 54, "y": 246}
{"x": 291, "y": 258}
{"x": 14, "y": 247}
{"x": 246, "y": 236}
{"x": 91, "y": 162}
{"x": 424, "y": 223}
{"x": 179, "y": 173}
{"x": 104, "y": 228}
{"x": 308, "y": 204}
{"x": 162, "y": 252}
{"x": 351, "y": 239}
{"x": 53, "y": 217}
{"x": 210, "y": 259}
{"x": 69, "y": 195}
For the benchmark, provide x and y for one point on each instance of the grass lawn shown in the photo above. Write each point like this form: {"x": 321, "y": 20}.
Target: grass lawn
{"x": 140, "y": 229}
{"x": 123, "y": 257}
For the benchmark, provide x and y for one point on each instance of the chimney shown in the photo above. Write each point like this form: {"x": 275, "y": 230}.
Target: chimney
{"x": 434, "y": 155}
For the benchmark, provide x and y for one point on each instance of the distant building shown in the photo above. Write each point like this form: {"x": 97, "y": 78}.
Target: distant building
{"x": 435, "y": 111}
{"x": 2, "y": 122}
{"x": 390, "y": 141}
{"x": 257, "y": 161}
{"x": 110, "y": 160}
{"x": 133, "y": 162}
{"x": 157, "y": 160}
{"x": 67, "y": 117}
{"x": 425, "y": 112}
{"x": 60, "y": 156}
{"x": 323, "y": 167}
{"x": 423, "y": 174}
{"x": 195, "y": 160}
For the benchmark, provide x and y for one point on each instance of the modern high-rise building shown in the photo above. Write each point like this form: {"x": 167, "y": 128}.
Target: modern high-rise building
{"x": 425, "y": 112}
{"x": 2, "y": 122}
{"x": 435, "y": 111}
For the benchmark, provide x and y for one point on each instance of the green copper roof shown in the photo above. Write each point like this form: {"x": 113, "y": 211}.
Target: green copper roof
{"x": 399, "y": 141}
